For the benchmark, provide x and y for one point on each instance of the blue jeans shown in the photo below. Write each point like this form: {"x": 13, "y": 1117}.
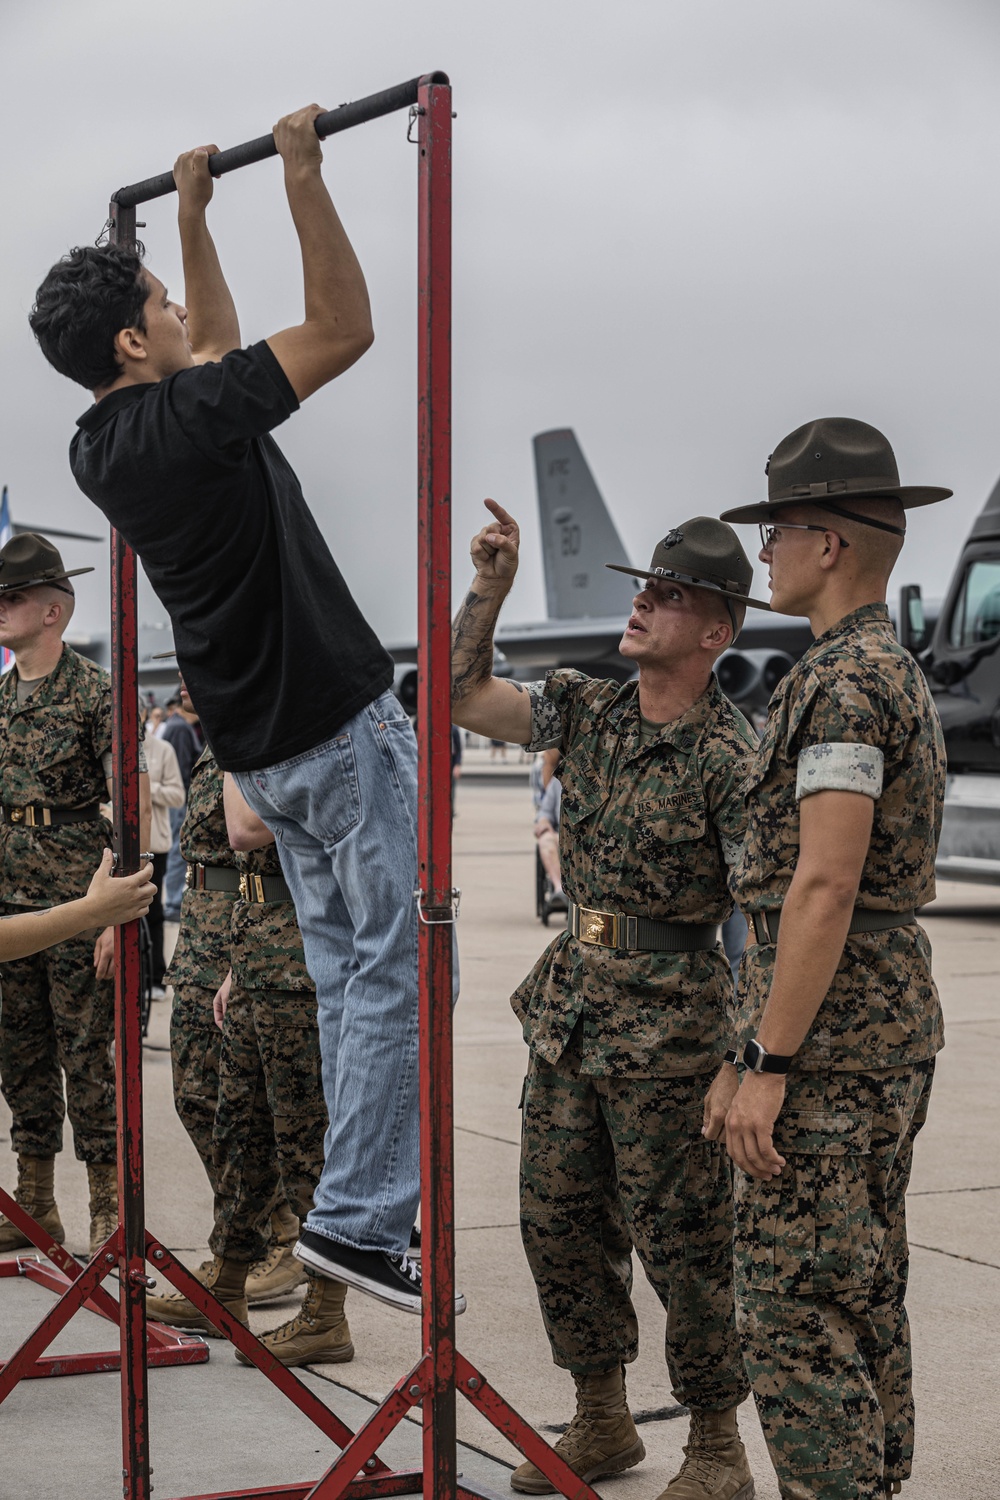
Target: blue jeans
{"x": 173, "y": 880}
{"x": 344, "y": 820}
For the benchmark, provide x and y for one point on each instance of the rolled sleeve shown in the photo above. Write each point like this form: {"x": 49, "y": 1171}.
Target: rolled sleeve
{"x": 839, "y": 768}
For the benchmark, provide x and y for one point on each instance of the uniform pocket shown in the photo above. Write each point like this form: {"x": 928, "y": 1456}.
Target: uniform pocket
{"x": 584, "y": 790}
{"x": 708, "y": 1197}
{"x": 810, "y": 1229}
{"x": 678, "y": 820}
{"x": 289, "y": 1047}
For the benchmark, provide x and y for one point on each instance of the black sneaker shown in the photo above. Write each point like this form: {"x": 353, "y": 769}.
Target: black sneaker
{"x": 391, "y": 1278}
{"x": 413, "y": 1253}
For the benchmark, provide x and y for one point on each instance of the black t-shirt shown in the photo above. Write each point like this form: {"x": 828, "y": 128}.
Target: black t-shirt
{"x": 274, "y": 651}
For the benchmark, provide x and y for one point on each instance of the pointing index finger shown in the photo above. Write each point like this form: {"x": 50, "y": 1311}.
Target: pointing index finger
{"x": 503, "y": 516}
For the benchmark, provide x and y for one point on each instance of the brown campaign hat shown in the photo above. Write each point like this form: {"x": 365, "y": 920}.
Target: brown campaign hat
{"x": 30, "y": 559}
{"x": 705, "y": 553}
{"x": 829, "y": 463}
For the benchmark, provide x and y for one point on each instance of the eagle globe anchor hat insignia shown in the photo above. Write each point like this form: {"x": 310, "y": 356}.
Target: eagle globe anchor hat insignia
{"x": 704, "y": 553}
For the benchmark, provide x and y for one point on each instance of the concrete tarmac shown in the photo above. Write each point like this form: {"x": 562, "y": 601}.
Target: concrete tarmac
{"x": 218, "y": 1426}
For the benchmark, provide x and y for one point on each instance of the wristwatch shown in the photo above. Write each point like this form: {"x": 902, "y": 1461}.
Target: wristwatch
{"x": 732, "y": 1056}
{"x": 759, "y": 1061}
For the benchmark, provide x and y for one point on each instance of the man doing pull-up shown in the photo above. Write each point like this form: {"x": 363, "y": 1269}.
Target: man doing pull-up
{"x": 292, "y": 686}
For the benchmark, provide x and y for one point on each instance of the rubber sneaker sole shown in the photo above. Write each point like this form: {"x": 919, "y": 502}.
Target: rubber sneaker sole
{"x": 328, "y": 1263}
{"x": 616, "y": 1464}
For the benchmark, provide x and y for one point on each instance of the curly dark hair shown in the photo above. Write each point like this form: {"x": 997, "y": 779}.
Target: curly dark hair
{"x": 87, "y": 298}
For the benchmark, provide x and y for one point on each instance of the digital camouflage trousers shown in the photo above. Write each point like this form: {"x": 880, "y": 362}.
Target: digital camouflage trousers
{"x": 271, "y": 1118}
{"x": 609, "y": 1160}
{"x": 821, "y": 1271}
{"x": 56, "y": 1018}
{"x": 195, "y": 1044}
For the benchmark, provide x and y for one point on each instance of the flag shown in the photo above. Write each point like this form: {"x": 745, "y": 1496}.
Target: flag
{"x": 6, "y": 657}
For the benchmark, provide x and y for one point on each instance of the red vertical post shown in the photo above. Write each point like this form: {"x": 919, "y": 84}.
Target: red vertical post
{"x": 437, "y": 1174}
{"x": 128, "y": 1025}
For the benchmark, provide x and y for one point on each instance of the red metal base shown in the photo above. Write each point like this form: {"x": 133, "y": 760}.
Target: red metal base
{"x": 77, "y": 1286}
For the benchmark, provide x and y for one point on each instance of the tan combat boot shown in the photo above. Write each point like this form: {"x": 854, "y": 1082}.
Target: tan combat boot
{"x": 318, "y": 1335}
{"x": 225, "y": 1279}
{"x": 103, "y": 1179}
{"x": 600, "y": 1440}
{"x": 279, "y": 1272}
{"x": 715, "y": 1465}
{"x": 34, "y": 1193}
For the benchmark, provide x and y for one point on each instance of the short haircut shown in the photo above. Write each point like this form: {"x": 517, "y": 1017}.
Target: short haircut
{"x": 84, "y": 302}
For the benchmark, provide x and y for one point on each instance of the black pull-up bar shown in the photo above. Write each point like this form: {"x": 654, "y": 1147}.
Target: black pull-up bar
{"x": 356, "y": 113}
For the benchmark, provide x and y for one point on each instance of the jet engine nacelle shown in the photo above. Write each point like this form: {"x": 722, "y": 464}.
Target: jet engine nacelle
{"x": 404, "y": 685}
{"x": 751, "y": 676}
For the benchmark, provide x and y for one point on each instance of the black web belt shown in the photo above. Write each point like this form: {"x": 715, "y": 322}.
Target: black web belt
{"x": 36, "y": 816}
{"x": 264, "y": 888}
{"x": 765, "y": 924}
{"x": 250, "y": 888}
{"x": 213, "y": 878}
{"x": 608, "y": 929}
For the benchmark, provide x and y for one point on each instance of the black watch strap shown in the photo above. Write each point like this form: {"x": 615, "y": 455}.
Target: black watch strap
{"x": 732, "y": 1056}
{"x": 758, "y": 1061}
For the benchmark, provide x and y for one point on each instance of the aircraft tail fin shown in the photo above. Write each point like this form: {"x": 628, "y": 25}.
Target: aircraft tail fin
{"x": 578, "y": 534}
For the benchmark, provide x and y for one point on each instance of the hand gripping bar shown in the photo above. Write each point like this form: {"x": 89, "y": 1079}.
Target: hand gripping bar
{"x": 370, "y": 108}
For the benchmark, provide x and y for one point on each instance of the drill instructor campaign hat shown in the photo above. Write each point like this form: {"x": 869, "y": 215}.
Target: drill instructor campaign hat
{"x": 29, "y": 559}
{"x": 704, "y": 553}
{"x": 830, "y": 461}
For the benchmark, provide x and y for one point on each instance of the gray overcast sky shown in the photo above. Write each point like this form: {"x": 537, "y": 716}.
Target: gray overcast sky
{"x": 682, "y": 228}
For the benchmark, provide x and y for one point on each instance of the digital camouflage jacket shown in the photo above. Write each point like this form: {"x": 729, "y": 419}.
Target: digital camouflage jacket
{"x": 202, "y": 953}
{"x": 645, "y": 830}
{"x": 266, "y": 942}
{"x": 854, "y": 713}
{"x": 50, "y": 755}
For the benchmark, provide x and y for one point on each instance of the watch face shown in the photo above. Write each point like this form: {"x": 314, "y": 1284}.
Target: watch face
{"x": 753, "y": 1056}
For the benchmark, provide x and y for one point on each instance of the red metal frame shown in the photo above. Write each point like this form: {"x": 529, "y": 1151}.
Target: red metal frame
{"x": 441, "y": 1370}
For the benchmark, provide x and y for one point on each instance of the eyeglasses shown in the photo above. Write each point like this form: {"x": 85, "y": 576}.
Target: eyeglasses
{"x": 769, "y": 534}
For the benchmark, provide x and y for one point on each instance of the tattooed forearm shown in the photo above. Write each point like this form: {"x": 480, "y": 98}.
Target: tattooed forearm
{"x": 472, "y": 643}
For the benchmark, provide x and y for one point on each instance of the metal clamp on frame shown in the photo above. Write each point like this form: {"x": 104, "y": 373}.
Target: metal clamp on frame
{"x": 438, "y": 916}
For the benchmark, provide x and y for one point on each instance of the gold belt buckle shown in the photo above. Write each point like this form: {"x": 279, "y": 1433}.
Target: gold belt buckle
{"x": 244, "y": 889}
{"x": 189, "y": 877}
{"x": 16, "y": 814}
{"x": 598, "y": 927}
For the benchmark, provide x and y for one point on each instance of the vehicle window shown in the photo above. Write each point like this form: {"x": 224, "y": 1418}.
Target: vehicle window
{"x": 977, "y": 612}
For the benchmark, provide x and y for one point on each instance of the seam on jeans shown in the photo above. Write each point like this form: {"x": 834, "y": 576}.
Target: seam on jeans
{"x": 412, "y": 1055}
{"x": 386, "y": 749}
{"x": 401, "y": 718}
{"x": 390, "y": 1176}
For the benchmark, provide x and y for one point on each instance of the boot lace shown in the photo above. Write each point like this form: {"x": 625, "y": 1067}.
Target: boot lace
{"x": 699, "y": 1467}
{"x": 576, "y": 1439}
{"x": 267, "y": 1263}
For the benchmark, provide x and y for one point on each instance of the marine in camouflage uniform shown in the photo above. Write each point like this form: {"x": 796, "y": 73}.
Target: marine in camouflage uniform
{"x": 821, "y": 1251}
{"x": 270, "y": 1127}
{"x": 271, "y": 1118}
{"x": 628, "y": 1012}
{"x": 200, "y": 960}
{"x": 820, "y": 1246}
{"x": 56, "y": 1017}
{"x": 625, "y": 1044}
